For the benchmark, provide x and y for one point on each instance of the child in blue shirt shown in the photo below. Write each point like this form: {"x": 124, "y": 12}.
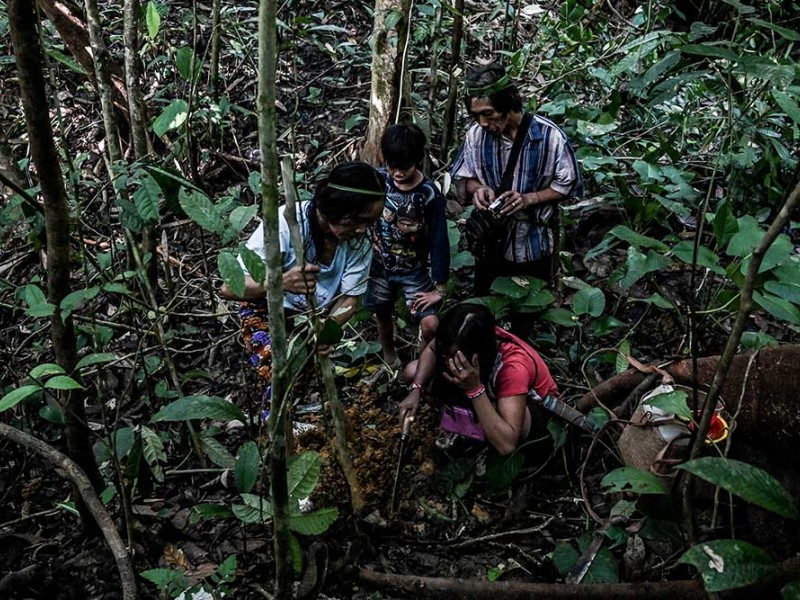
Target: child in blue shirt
{"x": 411, "y": 249}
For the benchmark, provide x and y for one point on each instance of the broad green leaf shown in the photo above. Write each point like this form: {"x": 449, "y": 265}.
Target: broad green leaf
{"x": 200, "y": 407}
{"x": 147, "y": 198}
{"x": 638, "y": 265}
{"x": 201, "y": 210}
{"x": 630, "y": 479}
{"x": 637, "y": 240}
{"x": 47, "y": 369}
{"x": 787, "y": 104}
{"x": 564, "y": 555}
{"x": 153, "y": 452}
{"x": 38, "y": 306}
{"x": 780, "y": 250}
{"x": 511, "y": 287}
{"x": 741, "y": 8}
{"x": 710, "y": 51}
{"x": 778, "y": 307}
{"x": 241, "y": 216}
{"x": 172, "y": 117}
{"x": 560, "y": 316}
{"x": 558, "y": 431}
{"x": 672, "y": 402}
{"x": 117, "y": 288}
{"x": 750, "y": 483}
{"x": 590, "y": 129}
{"x": 76, "y": 300}
{"x": 725, "y": 225}
{"x": 791, "y": 591}
{"x": 786, "y": 290}
{"x": 602, "y": 570}
{"x": 745, "y": 240}
{"x": 621, "y": 361}
{"x": 153, "y": 20}
{"x": 188, "y": 66}
{"x": 648, "y": 172}
{"x": 303, "y": 474}
{"x": 254, "y": 510}
{"x": 123, "y": 439}
{"x": 754, "y": 340}
{"x": 231, "y": 272}
{"x": 313, "y": 523}
{"x": 62, "y": 382}
{"x": 537, "y": 299}
{"x": 656, "y": 300}
{"x": 789, "y": 34}
{"x": 254, "y": 264}
{"x": 96, "y": 358}
{"x": 726, "y": 564}
{"x": 70, "y": 62}
{"x": 589, "y": 301}
{"x": 248, "y": 464}
{"x": 217, "y": 453}
{"x": 501, "y": 471}
{"x": 705, "y": 257}
{"x": 166, "y": 578}
{"x": 14, "y": 397}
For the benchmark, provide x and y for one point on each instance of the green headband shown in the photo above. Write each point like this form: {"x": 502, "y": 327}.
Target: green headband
{"x": 344, "y": 188}
{"x": 484, "y": 91}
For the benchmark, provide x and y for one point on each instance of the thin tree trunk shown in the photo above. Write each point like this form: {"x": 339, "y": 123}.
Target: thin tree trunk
{"x": 28, "y": 54}
{"x": 267, "y": 54}
{"x": 449, "y": 119}
{"x": 388, "y": 48}
{"x": 216, "y": 37}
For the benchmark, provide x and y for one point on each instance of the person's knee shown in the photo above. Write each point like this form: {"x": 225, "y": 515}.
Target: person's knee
{"x": 428, "y": 327}
{"x": 409, "y": 371}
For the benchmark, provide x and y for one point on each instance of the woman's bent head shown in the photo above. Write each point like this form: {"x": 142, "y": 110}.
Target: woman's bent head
{"x": 470, "y": 329}
{"x": 349, "y": 200}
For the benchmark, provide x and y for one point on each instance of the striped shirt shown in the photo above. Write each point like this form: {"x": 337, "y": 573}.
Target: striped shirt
{"x": 546, "y": 160}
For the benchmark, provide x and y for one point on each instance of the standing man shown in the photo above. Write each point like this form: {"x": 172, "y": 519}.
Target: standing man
{"x": 544, "y": 172}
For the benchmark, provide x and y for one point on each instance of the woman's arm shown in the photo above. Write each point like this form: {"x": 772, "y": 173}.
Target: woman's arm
{"x": 503, "y": 425}
{"x": 296, "y": 280}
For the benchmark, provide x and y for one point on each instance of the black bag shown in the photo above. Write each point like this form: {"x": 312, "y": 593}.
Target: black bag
{"x": 484, "y": 230}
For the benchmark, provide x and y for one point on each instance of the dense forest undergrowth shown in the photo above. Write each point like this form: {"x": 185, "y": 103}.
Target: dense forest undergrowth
{"x": 684, "y": 117}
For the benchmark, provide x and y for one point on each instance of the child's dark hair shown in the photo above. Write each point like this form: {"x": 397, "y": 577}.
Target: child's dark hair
{"x": 403, "y": 146}
{"x": 469, "y": 328}
{"x": 349, "y": 190}
{"x": 499, "y": 88}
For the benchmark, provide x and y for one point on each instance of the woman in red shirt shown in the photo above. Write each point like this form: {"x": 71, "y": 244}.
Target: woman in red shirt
{"x": 475, "y": 364}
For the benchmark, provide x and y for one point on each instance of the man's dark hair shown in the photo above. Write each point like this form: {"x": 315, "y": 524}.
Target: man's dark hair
{"x": 403, "y": 146}
{"x": 491, "y": 81}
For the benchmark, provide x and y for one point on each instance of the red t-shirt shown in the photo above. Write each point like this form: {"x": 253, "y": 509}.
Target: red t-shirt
{"x": 520, "y": 368}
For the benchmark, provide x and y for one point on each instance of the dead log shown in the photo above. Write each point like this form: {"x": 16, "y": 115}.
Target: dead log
{"x": 771, "y": 403}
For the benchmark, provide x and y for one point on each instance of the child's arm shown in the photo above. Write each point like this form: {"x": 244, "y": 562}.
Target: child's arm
{"x": 439, "y": 242}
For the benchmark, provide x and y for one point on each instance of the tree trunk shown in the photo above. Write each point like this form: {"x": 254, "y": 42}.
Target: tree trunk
{"x": 267, "y": 53}
{"x": 388, "y": 49}
{"x": 449, "y": 118}
{"x": 25, "y": 41}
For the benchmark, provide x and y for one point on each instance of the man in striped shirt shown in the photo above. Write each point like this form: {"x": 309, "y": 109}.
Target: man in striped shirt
{"x": 545, "y": 173}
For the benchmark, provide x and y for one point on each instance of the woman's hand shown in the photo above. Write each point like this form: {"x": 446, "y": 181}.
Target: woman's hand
{"x": 463, "y": 373}
{"x": 408, "y": 407}
{"x": 301, "y": 280}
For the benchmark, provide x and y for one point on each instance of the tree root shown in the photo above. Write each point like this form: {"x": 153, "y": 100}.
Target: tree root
{"x": 442, "y": 587}
{"x": 84, "y": 487}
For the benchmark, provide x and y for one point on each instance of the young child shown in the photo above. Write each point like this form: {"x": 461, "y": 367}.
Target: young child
{"x": 411, "y": 233}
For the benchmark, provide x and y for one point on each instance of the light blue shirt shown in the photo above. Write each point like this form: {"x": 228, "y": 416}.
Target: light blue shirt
{"x": 346, "y": 275}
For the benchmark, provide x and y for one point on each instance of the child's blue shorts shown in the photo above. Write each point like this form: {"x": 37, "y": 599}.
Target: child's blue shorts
{"x": 384, "y": 288}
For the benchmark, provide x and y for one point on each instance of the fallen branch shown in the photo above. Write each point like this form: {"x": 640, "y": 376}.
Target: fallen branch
{"x": 442, "y": 587}
{"x": 95, "y": 507}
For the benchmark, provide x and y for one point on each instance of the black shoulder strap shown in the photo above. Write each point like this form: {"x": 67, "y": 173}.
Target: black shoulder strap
{"x": 522, "y": 132}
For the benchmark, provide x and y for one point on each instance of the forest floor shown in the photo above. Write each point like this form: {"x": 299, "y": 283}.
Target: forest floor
{"x": 457, "y": 514}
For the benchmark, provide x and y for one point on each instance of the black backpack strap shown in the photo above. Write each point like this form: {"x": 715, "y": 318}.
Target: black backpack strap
{"x": 522, "y": 132}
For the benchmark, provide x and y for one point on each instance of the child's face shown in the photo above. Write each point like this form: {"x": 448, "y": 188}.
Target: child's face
{"x": 401, "y": 176}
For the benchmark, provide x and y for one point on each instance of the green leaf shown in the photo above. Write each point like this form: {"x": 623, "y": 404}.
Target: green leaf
{"x": 656, "y": 300}
{"x": 511, "y": 287}
{"x": 791, "y": 591}
{"x": 710, "y": 51}
{"x": 248, "y": 464}
{"x": 787, "y": 290}
{"x": 231, "y": 272}
{"x": 564, "y": 555}
{"x": 70, "y": 62}
{"x": 560, "y": 316}
{"x": 780, "y": 250}
{"x": 726, "y": 564}
{"x": 14, "y": 397}
{"x": 254, "y": 264}
{"x": 621, "y": 363}
{"x": 501, "y": 471}
{"x": 76, "y": 300}
{"x": 62, "y": 382}
{"x": 630, "y": 479}
{"x": 117, "y": 288}
{"x": 788, "y": 34}
{"x": 96, "y": 358}
{"x": 217, "y": 453}
{"x": 147, "y": 198}
{"x": 313, "y": 523}
{"x": 241, "y": 216}
{"x": 303, "y": 474}
{"x": 637, "y": 240}
{"x": 153, "y": 452}
{"x": 38, "y": 306}
{"x": 672, "y": 402}
{"x": 742, "y": 9}
{"x": 200, "y": 407}
{"x": 188, "y": 66}
{"x": 589, "y": 301}
{"x": 392, "y": 19}
{"x": 746, "y": 481}
{"x": 558, "y": 431}
{"x": 153, "y": 20}
{"x": 254, "y": 510}
{"x": 725, "y": 225}
{"x": 778, "y": 307}
{"x": 754, "y": 340}
{"x": 172, "y": 117}
{"x": 705, "y": 257}
{"x": 787, "y": 104}
{"x": 47, "y": 369}
{"x": 199, "y": 208}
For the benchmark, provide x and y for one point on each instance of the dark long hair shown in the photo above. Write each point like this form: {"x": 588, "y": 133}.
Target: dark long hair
{"x": 469, "y": 328}
{"x": 504, "y": 100}
{"x": 336, "y": 204}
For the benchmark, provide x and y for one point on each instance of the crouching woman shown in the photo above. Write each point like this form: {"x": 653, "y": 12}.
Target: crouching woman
{"x": 472, "y": 364}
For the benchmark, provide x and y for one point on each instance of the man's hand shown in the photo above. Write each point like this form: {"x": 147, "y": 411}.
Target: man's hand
{"x": 482, "y": 197}
{"x": 426, "y": 299}
{"x": 513, "y": 202}
{"x": 301, "y": 280}
{"x": 408, "y": 407}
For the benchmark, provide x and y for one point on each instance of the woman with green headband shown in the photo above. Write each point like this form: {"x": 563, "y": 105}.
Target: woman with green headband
{"x": 333, "y": 226}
